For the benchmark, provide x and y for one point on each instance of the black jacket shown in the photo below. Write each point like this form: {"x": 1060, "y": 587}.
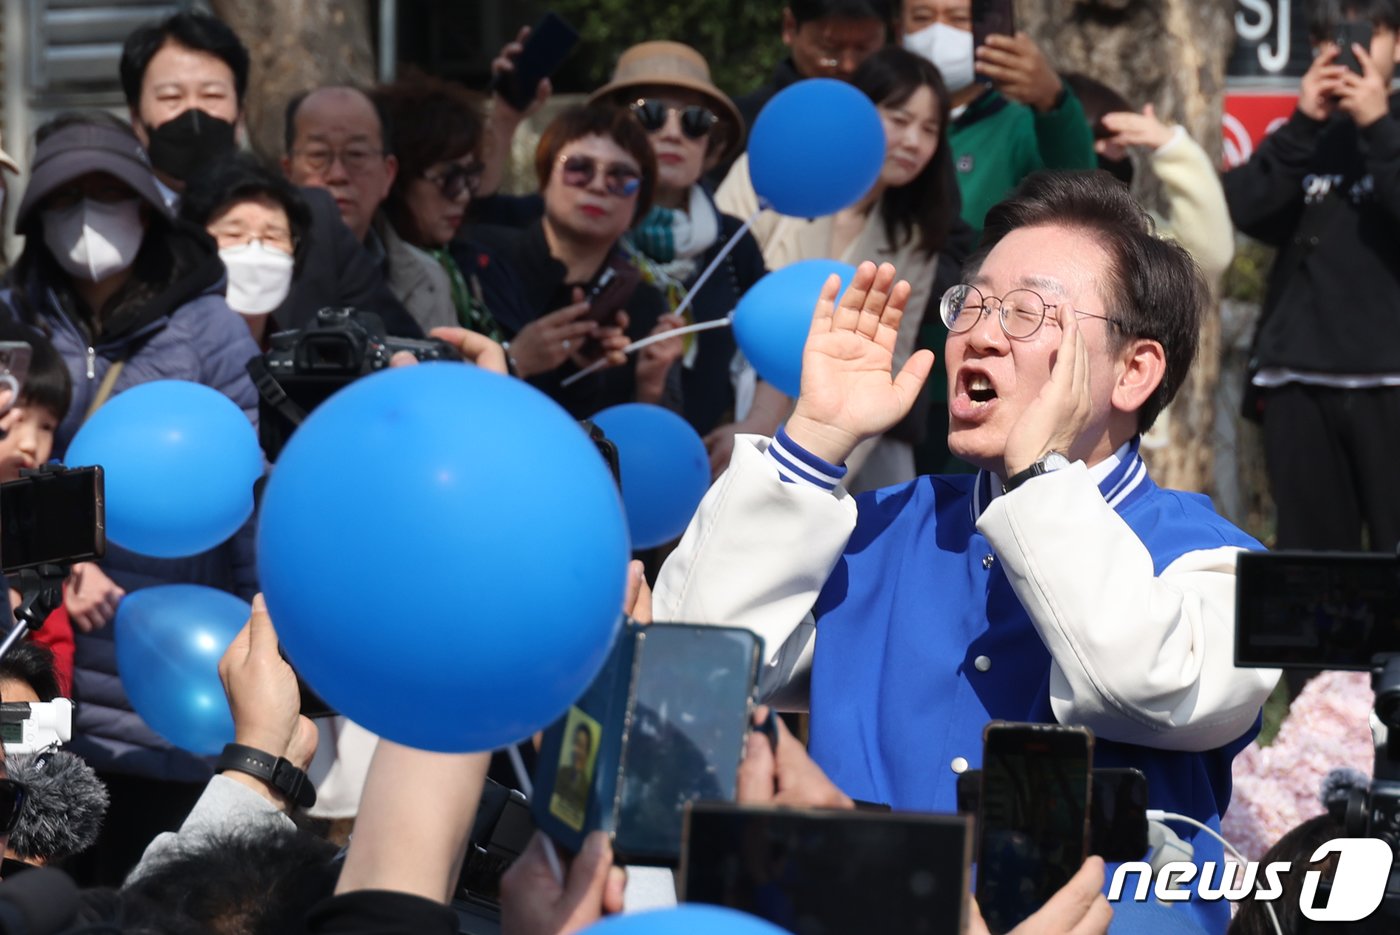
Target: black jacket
{"x": 541, "y": 279}
{"x": 1327, "y": 194}
{"x": 336, "y": 271}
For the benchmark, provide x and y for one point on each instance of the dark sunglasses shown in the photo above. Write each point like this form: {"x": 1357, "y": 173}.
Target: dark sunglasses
{"x": 458, "y": 179}
{"x": 696, "y": 121}
{"x": 620, "y": 180}
{"x": 12, "y": 797}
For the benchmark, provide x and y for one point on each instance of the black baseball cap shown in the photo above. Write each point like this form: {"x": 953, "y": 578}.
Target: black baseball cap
{"x": 75, "y": 150}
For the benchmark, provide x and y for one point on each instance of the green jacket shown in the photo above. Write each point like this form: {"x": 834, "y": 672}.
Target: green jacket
{"x": 997, "y": 142}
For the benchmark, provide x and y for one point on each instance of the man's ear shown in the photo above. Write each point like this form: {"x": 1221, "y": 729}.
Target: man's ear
{"x": 138, "y": 127}
{"x": 1142, "y": 366}
{"x": 391, "y": 172}
{"x": 789, "y": 26}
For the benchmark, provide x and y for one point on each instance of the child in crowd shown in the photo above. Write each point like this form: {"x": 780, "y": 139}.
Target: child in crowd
{"x": 26, "y": 441}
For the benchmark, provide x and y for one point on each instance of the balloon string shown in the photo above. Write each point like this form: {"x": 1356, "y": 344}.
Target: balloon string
{"x": 714, "y": 264}
{"x": 647, "y": 342}
{"x": 522, "y": 778}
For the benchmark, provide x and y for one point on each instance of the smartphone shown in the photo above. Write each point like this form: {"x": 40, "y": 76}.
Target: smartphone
{"x": 1034, "y": 829}
{"x": 1316, "y": 610}
{"x": 549, "y": 43}
{"x": 663, "y": 725}
{"x": 1352, "y": 32}
{"x": 815, "y": 871}
{"x": 52, "y": 517}
{"x": 611, "y": 293}
{"x": 992, "y": 18}
{"x": 14, "y": 370}
{"x": 1117, "y": 810}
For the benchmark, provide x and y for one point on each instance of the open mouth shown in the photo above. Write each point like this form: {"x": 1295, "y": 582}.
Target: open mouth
{"x": 980, "y": 390}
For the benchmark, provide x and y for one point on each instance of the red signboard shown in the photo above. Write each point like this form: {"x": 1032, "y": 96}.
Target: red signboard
{"x": 1249, "y": 117}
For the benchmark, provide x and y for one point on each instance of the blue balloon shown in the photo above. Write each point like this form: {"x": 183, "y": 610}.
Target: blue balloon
{"x": 665, "y": 469}
{"x": 817, "y": 147}
{"x": 169, "y": 641}
{"x": 444, "y": 554}
{"x": 180, "y": 460}
{"x": 772, "y": 320}
{"x": 686, "y": 919}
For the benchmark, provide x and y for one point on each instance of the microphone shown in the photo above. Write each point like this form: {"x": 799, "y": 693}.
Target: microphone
{"x": 64, "y": 809}
{"x": 39, "y": 902}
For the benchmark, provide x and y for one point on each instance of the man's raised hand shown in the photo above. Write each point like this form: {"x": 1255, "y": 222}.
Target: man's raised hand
{"x": 848, "y": 390}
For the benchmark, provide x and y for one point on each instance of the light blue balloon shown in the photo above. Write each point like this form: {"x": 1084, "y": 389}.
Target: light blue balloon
{"x": 179, "y": 459}
{"x": 817, "y": 147}
{"x": 169, "y": 641}
{"x": 686, "y": 919}
{"x": 773, "y": 319}
{"x": 665, "y": 469}
{"x": 444, "y": 555}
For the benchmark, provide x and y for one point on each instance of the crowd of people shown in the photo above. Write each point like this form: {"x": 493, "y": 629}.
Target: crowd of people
{"x": 1017, "y": 322}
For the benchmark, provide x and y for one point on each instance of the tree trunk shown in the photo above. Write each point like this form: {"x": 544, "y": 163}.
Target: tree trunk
{"x": 1171, "y": 53}
{"x": 296, "y": 45}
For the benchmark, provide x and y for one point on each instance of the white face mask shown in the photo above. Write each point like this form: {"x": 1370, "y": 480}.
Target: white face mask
{"x": 259, "y": 277}
{"x": 948, "y": 48}
{"x": 93, "y": 239}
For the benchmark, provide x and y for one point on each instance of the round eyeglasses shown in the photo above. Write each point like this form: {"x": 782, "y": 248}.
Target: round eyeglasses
{"x": 1021, "y": 312}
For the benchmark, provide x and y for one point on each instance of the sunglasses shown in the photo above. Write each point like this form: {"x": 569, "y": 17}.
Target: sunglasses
{"x": 652, "y": 114}
{"x": 457, "y": 179}
{"x": 12, "y": 797}
{"x": 619, "y": 179}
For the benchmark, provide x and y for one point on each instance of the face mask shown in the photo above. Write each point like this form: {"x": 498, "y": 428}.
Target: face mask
{"x": 92, "y": 240}
{"x": 183, "y": 146}
{"x": 948, "y": 48}
{"x": 259, "y": 277}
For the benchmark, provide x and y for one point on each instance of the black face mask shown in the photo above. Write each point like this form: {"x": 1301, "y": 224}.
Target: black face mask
{"x": 1120, "y": 169}
{"x": 191, "y": 141}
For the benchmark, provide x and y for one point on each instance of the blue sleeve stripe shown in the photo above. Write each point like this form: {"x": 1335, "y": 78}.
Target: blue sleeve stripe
{"x": 797, "y": 465}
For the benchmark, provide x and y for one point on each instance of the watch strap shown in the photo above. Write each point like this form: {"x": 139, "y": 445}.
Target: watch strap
{"x": 276, "y": 771}
{"x": 1036, "y": 469}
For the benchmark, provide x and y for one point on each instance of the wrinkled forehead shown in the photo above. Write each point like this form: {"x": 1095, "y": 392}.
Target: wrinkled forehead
{"x": 1060, "y": 263}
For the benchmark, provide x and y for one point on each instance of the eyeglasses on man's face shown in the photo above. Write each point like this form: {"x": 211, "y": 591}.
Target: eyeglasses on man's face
{"x": 1020, "y": 312}
{"x": 356, "y": 158}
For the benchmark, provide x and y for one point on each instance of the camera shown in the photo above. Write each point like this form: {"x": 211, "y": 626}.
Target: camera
{"x": 28, "y": 727}
{"x": 1335, "y": 611}
{"x": 303, "y": 368}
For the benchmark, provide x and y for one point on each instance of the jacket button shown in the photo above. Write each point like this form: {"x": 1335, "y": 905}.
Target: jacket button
{"x": 959, "y": 764}
{"x": 982, "y": 663}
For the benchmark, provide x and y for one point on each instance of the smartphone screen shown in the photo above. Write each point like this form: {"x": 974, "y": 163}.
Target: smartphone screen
{"x": 1117, "y": 810}
{"x": 52, "y": 518}
{"x": 1033, "y": 833}
{"x": 1316, "y": 610}
{"x": 687, "y": 730}
{"x": 992, "y": 18}
{"x": 549, "y": 43}
{"x": 1348, "y": 33}
{"x": 818, "y": 871}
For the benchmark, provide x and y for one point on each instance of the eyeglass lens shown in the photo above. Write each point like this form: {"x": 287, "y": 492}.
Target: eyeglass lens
{"x": 620, "y": 180}
{"x": 458, "y": 179}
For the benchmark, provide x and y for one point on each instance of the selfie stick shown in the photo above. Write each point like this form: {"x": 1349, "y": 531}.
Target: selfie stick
{"x": 685, "y": 302}
{"x": 522, "y": 777}
{"x": 42, "y": 590}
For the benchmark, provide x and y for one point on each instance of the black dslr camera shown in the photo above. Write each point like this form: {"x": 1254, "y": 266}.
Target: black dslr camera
{"x": 304, "y": 367}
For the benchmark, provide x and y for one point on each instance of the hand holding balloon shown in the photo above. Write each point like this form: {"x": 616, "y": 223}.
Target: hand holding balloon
{"x": 848, "y": 391}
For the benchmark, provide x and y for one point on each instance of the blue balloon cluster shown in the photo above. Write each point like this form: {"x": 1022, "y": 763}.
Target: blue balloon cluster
{"x": 444, "y": 554}
{"x": 179, "y": 459}
{"x": 665, "y": 469}
{"x": 817, "y": 147}
{"x": 773, "y": 319}
{"x": 170, "y": 639}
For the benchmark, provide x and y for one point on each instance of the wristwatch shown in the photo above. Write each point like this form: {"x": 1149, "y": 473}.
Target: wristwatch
{"x": 276, "y": 771}
{"x": 1053, "y": 461}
